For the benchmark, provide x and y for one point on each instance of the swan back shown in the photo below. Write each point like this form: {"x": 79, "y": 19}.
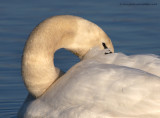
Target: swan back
{"x": 99, "y": 87}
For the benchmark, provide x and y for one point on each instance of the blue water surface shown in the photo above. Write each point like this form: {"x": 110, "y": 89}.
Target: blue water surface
{"x": 134, "y": 29}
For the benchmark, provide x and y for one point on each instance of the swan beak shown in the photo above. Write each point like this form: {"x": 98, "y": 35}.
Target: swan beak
{"x": 105, "y": 47}
{"x": 108, "y": 52}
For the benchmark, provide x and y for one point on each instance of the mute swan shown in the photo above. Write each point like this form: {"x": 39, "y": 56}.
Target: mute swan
{"x": 97, "y": 87}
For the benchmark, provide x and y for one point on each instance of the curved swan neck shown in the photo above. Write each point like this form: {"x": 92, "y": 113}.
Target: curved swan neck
{"x": 38, "y": 68}
{"x": 69, "y": 32}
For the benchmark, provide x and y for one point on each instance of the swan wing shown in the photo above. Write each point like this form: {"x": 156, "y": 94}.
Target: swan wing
{"x": 94, "y": 89}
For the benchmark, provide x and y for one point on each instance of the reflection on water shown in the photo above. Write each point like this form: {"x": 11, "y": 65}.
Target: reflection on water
{"x": 134, "y": 29}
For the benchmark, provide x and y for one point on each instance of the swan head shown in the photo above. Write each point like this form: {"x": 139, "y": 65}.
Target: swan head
{"x": 87, "y": 36}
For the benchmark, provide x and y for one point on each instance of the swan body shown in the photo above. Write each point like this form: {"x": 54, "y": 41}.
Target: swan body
{"x": 99, "y": 86}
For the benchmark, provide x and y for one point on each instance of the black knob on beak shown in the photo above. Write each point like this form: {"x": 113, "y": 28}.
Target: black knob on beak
{"x": 104, "y": 45}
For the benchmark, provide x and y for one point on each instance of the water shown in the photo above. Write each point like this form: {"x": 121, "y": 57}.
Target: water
{"x": 134, "y": 29}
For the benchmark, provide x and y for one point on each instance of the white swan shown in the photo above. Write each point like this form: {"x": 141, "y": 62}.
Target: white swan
{"x": 97, "y": 87}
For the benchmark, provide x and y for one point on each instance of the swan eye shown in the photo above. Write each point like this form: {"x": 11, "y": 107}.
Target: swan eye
{"x": 105, "y": 47}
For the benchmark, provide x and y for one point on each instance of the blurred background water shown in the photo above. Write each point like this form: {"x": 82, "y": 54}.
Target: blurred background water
{"x": 134, "y": 29}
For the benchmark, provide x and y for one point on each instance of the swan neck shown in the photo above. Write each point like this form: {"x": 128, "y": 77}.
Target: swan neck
{"x": 38, "y": 69}
{"x": 39, "y": 72}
